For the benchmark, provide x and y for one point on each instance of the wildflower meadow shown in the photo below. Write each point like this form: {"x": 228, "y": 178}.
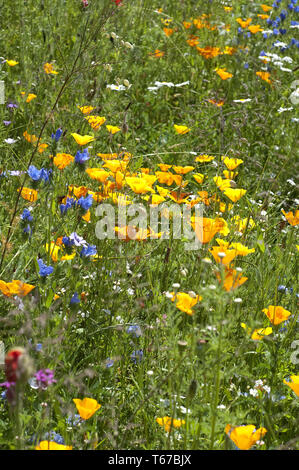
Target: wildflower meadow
{"x": 149, "y": 214}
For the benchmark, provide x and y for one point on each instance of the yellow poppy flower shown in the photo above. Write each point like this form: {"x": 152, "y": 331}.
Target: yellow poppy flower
{"x": 240, "y": 249}
{"x": 138, "y": 185}
{"x": 230, "y": 175}
{"x": 204, "y": 158}
{"x": 30, "y": 138}
{"x": 30, "y": 97}
{"x": 181, "y": 129}
{"x": 276, "y": 314}
{"x": 15, "y": 287}
{"x": 42, "y": 147}
{"x": 97, "y": 174}
{"x": 95, "y": 121}
{"x": 49, "y": 445}
{"x": 62, "y": 160}
{"x": 157, "y": 53}
{"x": 261, "y": 332}
{"x": 231, "y": 163}
{"x": 265, "y": 8}
{"x": 28, "y": 194}
{"x": 116, "y": 165}
{"x": 77, "y": 191}
{"x": 206, "y": 228}
{"x": 223, "y": 74}
{"x": 241, "y": 224}
{"x": 199, "y": 177}
{"x": 86, "y": 109}
{"x": 48, "y": 68}
{"x": 185, "y": 302}
{"x": 293, "y": 384}
{"x": 232, "y": 279}
{"x": 244, "y": 24}
{"x": 112, "y": 129}
{"x": 221, "y": 183}
{"x": 234, "y": 194}
{"x": 222, "y": 255}
{"x": 86, "y": 407}
{"x": 82, "y": 139}
{"x": 264, "y": 76}
{"x": 245, "y": 436}
{"x": 291, "y": 218}
{"x": 167, "y": 422}
{"x": 12, "y": 63}
{"x": 164, "y": 167}
{"x": 209, "y": 52}
{"x": 255, "y": 28}
{"x": 168, "y": 31}
{"x": 183, "y": 170}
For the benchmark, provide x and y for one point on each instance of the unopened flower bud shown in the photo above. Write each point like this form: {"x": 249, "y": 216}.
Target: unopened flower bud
{"x": 129, "y": 45}
{"x": 18, "y": 365}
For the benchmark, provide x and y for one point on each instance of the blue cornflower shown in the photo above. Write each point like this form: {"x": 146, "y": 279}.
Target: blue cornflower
{"x": 75, "y": 299}
{"x": 26, "y": 215}
{"x": 65, "y": 207}
{"x": 74, "y": 420}
{"x": 135, "y": 330}
{"x": 81, "y": 158}
{"x": 74, "y": 239}
{"x": 137, "y": 356}
{"x": 28, "y": 230}
{"x": 37, "y": 175}
{"x": 109, "y": 363}
{"x": 85, "y": 202}
{"x": 48, "y": 436}
{"x": 12, "y": 106}
{"x": 54, "y": 437}
{"x": 44, "y": 270}
{"x": 89, "y": 250}
{"x": 57, "y": 134}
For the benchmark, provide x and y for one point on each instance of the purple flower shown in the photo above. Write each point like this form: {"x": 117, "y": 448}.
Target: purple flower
{"x": 7, "y": 385}
{"x": 44, "y": 378}
{"x": 12, "y": 106}
{"x": 6, "y": 123}
{"x": 44, "y": 270}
